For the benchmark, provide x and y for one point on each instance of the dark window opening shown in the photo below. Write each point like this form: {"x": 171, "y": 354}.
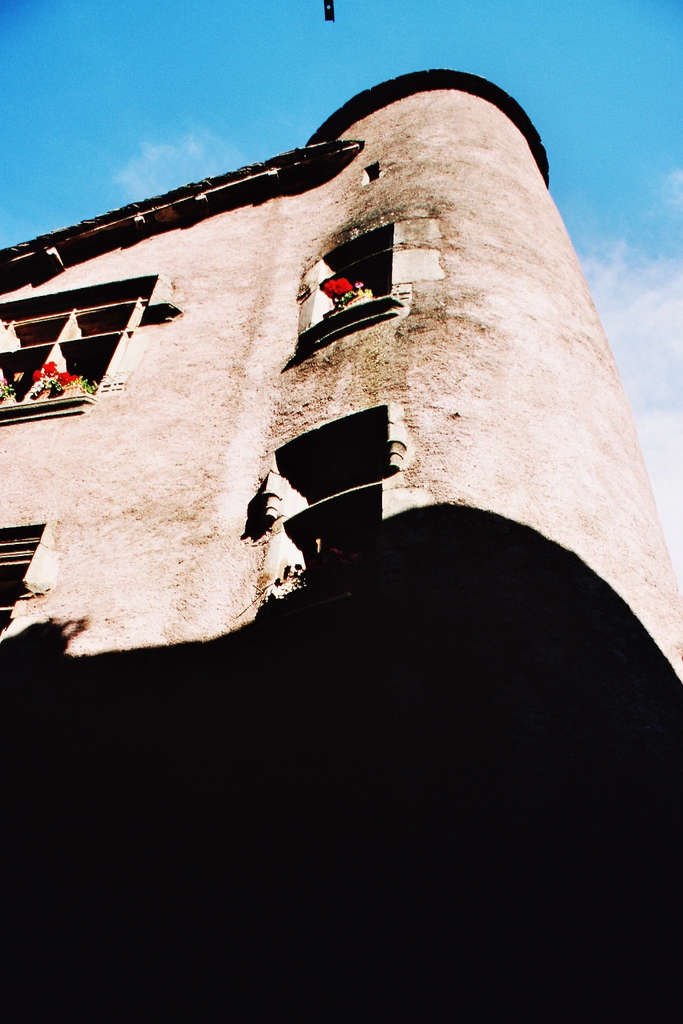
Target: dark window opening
{"x": 372, "y": 171}
{"x": 367, "y": 258}
{"x": 373, "y": 272}
{"x": 338, "y": 469}
{"x": 339, "y": 540}
{"x": 369, "y": 244}
{"x": 40, "y": 332}
{"x": 18, "y": 367}
{"x": 347, "y": 523}
{"x": 349, "y": 452}
{"x": 355, "y": 292}
{"x": 17, "y": 548}
{"x": 89, "y": 323}
{"x": 90, "y": 357}
{"x": 105, "y": 319}
{"x": 84, "y": 357}
{"x": 94, "y": 296}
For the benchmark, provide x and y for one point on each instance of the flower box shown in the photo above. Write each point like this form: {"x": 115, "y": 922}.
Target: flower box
{"x": 14, "y": 412}
{"x": 50, "y": 383}
{"x": 7, "y": 392}
{"x": 353, "y": 317}
{"x": 53, "y": 393}
{"x": 344, "y": 294}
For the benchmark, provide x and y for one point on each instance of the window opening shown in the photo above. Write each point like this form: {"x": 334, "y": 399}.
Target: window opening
{"x": 18, "y": 545}
{"x": 345, "y": 453}
{"x": 152, "y": 288}
{"x": 323, "y": 502}
{"x": 339, "y": 541}
{"x": 43, "y": 331}
{"x": 90, "y": 357}
{"x": 371, "y": 173}
{"x": 349, "y": 289}
{"x": 87, "y": 333}
{"x": 366, "y": 259}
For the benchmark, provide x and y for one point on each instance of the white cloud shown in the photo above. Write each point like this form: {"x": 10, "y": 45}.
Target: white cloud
{"x": 165, "y": 166}
{"x": 641, "y": 306}
{"x": 673, "y": 189}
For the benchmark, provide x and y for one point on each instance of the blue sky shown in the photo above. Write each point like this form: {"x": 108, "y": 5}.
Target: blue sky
{"x": 106, "y": 102}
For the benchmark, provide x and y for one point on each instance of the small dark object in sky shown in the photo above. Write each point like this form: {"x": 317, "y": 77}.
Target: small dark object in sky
{"x": 329, "y": 10}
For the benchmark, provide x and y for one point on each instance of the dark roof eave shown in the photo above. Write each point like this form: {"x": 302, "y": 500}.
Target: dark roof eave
{"x": 289, "y": 173}
{"x": 371, "y": 100}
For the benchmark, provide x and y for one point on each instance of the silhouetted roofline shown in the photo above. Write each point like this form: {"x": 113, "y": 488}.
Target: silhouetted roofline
{"x": 44, "y": 257}
{"x": 379, "y": 96}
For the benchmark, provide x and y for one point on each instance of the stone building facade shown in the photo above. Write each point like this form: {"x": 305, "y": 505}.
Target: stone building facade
{"x": 493, "y": 356}
{"x": 447, "y": 441}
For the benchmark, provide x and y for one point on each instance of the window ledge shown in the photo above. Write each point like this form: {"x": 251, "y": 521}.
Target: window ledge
{"x": 364, "y": 314}
{"x": 47, "y": 409}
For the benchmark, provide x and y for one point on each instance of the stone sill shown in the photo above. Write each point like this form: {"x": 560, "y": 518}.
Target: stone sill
{"x": 355, "y": 318}
{"x": 49, "y": 408}
{"x": 302, "y": 601}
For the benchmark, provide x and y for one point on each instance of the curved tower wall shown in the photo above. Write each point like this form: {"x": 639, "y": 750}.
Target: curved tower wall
{"x": 511, "y": 395}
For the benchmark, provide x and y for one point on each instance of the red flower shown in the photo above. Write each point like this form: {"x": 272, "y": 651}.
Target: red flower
{"x": 37, "y": 375}
{"x": 49, "y": 369}
{"x": 335, "y": 287}
{"x": 65, "y": 378}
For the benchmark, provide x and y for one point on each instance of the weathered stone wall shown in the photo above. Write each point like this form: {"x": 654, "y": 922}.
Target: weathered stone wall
{"x": 508, "y": 385}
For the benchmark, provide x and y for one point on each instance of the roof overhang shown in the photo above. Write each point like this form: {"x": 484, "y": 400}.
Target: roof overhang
{"x": 366, "y": 103}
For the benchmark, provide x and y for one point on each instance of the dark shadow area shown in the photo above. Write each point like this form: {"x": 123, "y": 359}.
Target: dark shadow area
{"x": 343, "y": 453}
{"x": 373, "y": 171}
{"x": 368, "y": 257}
{"x": 458, "y": 798}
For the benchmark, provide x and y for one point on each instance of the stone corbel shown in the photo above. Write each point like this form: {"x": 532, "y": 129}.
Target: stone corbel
{"x": 70, "y": 331}
{"x": 41, "y": 574}
{"x": 8, "y": 338}
{"x": 274, "y": 502}
{"x": 55, "y": 260}
{"x": 266, "y": 507}
{"x": 274, "y": 496}
{"x": 201, "y": 206}
{"x": 397, "y": 439}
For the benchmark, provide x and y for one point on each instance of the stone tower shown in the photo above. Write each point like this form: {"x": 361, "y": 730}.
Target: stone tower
{"x": 373, "y": 630}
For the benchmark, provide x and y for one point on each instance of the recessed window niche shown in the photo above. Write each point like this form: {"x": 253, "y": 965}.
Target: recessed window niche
{"x": 365, "y": 281}
{"x": 28, "y": 567}
{"x": 322, "y": 505}
{"x": 371, "y": 173}
{"x": 349, "y": 289}
{"x": 88, "y": 334}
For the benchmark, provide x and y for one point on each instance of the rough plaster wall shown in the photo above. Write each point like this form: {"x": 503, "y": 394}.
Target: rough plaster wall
{"x": 503, "y": 370}
{"x": 150, "y": 489}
